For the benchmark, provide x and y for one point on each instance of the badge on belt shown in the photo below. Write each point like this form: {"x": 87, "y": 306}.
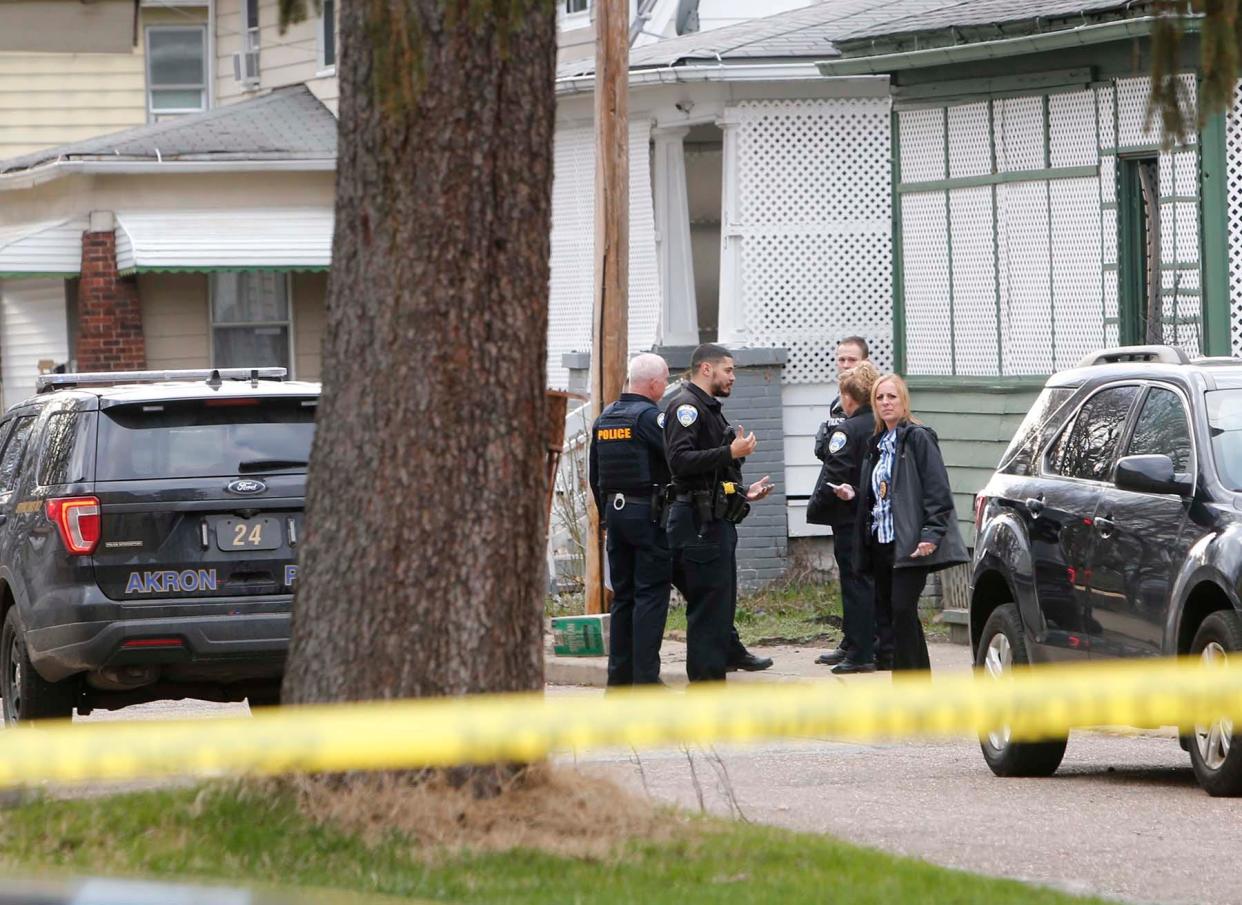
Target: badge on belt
{"x": 884, "y": 490}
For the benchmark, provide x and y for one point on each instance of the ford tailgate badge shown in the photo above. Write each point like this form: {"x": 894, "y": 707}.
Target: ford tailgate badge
{"x": 246, "y": 487}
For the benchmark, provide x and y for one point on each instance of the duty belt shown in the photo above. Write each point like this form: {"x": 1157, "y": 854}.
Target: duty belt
{"x": 621, "y": 500}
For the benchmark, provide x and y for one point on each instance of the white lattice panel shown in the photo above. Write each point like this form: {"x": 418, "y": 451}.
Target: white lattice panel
{"x": 970, "y": 142}
{"x": 1076, "y": 266}
{"x": 1133, "y": 96}
{"x": 1106, "y": 106}
{"x": 1108, "y": 236}
{"x": 1108, "y": 179}
{"x": 1166, "y": 174}
{"x": 1111, "y": 310}
{"x": 572, "y": 278}
{"x": 1187, "y": 232}
{"x": 1072, "y": 139}
{"x": 816, "y": 228}
{"x": 1233, "y": 163}
{"x": 974, "y": 281}
{"x": 1020, "y": 134}
{"x": 925, "y": 250}
{"x": 1186, "y": 167}
{"x": 1024, "y": 253}
{"x": 922, "y": 144}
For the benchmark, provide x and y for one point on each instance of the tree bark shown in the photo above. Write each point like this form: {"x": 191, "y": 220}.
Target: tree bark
{"x": 422, "y": 571}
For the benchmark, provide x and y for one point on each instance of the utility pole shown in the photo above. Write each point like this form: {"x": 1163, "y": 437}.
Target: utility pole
{"x": 610, "y": 334}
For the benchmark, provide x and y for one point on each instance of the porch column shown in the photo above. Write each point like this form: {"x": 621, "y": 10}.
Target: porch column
{"x": 679, "y": 316}
{"x": 732, "y": 322}
{"x": 110, "y": 336}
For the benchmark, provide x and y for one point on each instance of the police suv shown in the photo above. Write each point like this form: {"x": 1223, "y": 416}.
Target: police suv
{"x": 1113, "y": 529}
{"x": 149, "y": 524}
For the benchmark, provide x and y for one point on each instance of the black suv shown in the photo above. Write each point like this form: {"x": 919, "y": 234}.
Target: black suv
{"x": 1113, "y": 528}
{"x": 149, "y": 524}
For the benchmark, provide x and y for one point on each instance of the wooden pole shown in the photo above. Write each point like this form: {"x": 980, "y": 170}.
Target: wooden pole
{"x": 610, "y": 341}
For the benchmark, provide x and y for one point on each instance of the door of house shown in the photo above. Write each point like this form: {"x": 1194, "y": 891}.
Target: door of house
{"x": 1140, "y": 306}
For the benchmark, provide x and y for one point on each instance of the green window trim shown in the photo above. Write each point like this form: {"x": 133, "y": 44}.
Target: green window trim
{"x": 1214, "y": 238}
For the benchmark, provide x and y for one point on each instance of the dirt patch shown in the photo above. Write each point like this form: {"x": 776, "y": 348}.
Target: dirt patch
{"x": 556, "y": 810}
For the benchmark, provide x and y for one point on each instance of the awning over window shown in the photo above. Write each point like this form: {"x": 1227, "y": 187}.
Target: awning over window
{"x": 236, "y": 239}
{"x": 52, "y": 248}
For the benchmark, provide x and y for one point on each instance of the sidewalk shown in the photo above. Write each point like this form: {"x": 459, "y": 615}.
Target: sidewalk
{"x": 791, "y": 664}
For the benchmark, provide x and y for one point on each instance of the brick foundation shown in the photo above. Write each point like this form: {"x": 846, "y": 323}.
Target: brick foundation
{"x": 110, "y": 334}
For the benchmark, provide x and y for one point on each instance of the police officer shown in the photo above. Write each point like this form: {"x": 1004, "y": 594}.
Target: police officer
{"x": 628, "y": 477}
{"x": 844, "y": 452}
{"x": 850, "y": 351}
{"x": 705, "y": 456}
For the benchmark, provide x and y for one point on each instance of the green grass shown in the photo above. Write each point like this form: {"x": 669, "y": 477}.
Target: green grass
{"x": 236, "y": 836}
{"x": 787, "y": 612}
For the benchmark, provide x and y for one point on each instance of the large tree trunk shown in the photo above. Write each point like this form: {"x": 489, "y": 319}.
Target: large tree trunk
{"x": 422, "y": 571}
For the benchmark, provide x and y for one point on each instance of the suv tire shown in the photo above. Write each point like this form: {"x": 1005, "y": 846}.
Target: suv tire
{"x": 1001, "y": 647}
{"x": 1214, "y": 750}
{"x": 26, "y": 694}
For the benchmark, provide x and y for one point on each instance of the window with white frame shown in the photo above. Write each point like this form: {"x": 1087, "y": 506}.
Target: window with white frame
{"x": 576, "y": 6}
{"x": 251, "y": 320}
{"x": 326, "y": 36}
{"x": 176, "y": 69}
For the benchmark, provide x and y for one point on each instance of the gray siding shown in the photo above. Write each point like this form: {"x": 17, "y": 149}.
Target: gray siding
{"x": 755, "y": 404}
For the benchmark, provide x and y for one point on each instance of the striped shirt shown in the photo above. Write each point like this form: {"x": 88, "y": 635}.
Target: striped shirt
{"x": 881, "y": 490}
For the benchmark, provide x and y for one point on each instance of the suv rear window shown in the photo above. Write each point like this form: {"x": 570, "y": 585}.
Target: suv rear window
{"x": 1086, "y": 449}
{"x": 1224, "y": 418}
{"x": 1020, "y": 457}
{"x": 204, "y": 438}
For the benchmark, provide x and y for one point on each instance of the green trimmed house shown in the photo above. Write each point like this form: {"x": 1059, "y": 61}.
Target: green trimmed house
{"x": 1037, "y": 213}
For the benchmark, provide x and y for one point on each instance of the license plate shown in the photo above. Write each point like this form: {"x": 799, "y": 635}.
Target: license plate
{"x": 242, "y": 534}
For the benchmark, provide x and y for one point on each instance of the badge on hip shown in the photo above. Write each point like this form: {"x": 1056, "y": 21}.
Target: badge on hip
{"x": 837, "y": 442}
{"x": 884, "y": 490}
{"x": 687, "y": 415}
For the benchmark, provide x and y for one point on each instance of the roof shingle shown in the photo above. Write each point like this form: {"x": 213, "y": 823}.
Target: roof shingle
{"x": 288, "y": 124}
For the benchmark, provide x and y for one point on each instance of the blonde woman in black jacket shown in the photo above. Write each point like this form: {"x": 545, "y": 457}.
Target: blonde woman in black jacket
{"x": 907, "y": 524}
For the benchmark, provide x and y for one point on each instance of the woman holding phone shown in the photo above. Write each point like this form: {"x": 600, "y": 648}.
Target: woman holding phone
{"x": 843, "y": 452}
{"x": 907, "y": 524}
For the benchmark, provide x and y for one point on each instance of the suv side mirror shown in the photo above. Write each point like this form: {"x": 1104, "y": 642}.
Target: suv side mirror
{"x": 1151, "y": 474}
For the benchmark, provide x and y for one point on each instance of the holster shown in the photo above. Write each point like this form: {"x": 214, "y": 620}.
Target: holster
{"x": 659, "y": 505}
{"x": 729, "y": 503}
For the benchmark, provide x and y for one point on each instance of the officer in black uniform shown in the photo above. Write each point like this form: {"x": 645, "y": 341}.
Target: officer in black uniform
{"x": 845, "y": 449}
{"x": 629, "y": 477}
{"x": 705, "y": 456}
{"x": 850, "y": 351}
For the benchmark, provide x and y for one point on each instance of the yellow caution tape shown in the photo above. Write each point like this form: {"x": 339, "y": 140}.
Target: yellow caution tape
{"x": 1035, "y": 703}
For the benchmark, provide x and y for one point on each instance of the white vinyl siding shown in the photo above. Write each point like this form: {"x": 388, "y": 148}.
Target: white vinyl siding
{"x": 33, "y": 328}
{"x": 285, "y": 59}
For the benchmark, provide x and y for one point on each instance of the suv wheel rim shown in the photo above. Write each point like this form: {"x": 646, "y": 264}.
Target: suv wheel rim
{"x": 1215, "y": 739}
{"x": 13, "y": 700}
{"x": 997, "y": 662}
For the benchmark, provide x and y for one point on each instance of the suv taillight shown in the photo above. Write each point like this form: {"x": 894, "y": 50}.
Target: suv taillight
{"x": 77, "y": 519}
{"x": 981, "y": 505}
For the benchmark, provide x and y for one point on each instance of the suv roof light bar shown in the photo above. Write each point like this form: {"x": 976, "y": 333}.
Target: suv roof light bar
{"x": 45, "y": 383}
{"x": 1168, "y": 355}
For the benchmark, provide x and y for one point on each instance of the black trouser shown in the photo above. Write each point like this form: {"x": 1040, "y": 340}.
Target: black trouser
{"x": 640, "y": 566}
{"x": 897, "y": 593}
{"x": 707, "y": 567}
{"x": 857, "y": 597}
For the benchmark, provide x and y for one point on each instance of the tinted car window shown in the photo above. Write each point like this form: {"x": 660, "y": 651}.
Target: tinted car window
{"x": 1224, "y": 418}
{"x": 1086, "y": 448}
{"x": 11, "y": 458}
{"x": 1161, "y": 429}
{"x": 64, "y": 449}
{"x": 204, "y": 438}
{"x": 1019, "y": 458}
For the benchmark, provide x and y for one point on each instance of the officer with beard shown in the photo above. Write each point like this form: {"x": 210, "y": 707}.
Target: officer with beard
{"x": 705, "y": 456}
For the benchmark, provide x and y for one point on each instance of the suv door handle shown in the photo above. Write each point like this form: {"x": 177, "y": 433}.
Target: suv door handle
{"x": 1105, "y": 526}
{"x": 1034, "y": 506}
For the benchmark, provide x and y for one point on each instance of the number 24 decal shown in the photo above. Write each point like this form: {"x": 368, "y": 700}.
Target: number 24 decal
{"x": 242, "y": 539}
